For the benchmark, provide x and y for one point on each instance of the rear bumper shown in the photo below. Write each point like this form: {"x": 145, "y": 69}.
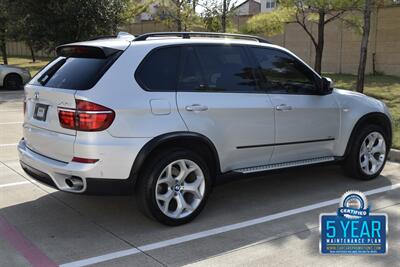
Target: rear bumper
{"x": 38, "y": 175}
{"x": 93, "y": 185}
{"x": 55, "y": 173}
{"x": 42, "y": 168}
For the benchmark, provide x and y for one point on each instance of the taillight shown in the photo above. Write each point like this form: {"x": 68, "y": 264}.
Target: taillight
{"x": 87, "y": 116}
{"x": 67, "y": 118}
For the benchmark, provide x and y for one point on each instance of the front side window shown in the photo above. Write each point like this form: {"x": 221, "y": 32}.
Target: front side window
{"x": 218, "y": 68}
{"x": 159, "y": 70}
{"x": 283, "y": 73}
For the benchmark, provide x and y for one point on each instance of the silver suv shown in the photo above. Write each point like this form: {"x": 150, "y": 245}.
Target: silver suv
{"x": 163, "y": 115}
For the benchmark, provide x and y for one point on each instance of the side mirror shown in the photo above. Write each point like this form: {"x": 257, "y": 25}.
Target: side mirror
{"x": 326, "y": 85}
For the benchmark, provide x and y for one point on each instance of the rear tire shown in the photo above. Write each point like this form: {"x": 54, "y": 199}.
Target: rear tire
{"x": 173, "y": 188}
{"x": 368, "y": 153}
{"x": 12, "y": 82}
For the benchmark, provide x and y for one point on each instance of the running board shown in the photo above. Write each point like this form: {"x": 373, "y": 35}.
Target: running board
{"x": 276, "y": 166}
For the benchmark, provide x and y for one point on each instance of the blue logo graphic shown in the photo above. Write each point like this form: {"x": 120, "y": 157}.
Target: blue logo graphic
{"x": 353, "y": 230}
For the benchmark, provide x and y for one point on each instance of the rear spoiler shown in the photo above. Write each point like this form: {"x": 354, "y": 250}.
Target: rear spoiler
{"x": 85, "y": 51}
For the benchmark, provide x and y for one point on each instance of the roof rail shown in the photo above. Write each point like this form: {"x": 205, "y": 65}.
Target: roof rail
{"x": 188, "y": 35}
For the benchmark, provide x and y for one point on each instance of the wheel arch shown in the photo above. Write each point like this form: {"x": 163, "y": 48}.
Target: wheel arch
{"x": 12, "y": 74}
{"x": 190, "y": 140}
{"x": 377, "y": 118}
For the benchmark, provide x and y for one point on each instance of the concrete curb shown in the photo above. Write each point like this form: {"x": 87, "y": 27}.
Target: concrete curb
{"x": 394, "y": 155}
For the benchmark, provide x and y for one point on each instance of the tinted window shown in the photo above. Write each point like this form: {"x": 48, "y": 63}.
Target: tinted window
{"x": 159, "y": 71}
{"x": 283, "y": 73}
{"x": 223, "y": 69}
{"x": 76, "y": 73}
{"x": 191, "y": 76}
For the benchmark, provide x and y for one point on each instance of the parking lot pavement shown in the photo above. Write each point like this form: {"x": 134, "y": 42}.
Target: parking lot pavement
{"x": 11, "y": 135}
{"x": 11, "y": 101}
{"x": 260, "y": 220}
{"x": 301, "y": 250}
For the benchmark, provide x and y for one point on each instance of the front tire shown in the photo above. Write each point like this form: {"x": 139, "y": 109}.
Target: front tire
{"x": 173, "y": 187}
{"x": 368, "y": 153}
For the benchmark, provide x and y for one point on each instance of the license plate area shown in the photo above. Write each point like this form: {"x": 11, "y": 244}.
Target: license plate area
{"x": 40, "y": 112}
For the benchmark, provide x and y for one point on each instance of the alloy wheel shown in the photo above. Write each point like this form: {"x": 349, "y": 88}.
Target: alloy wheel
{"x": 372, "y": 153}
{"x": 180, "y": 188}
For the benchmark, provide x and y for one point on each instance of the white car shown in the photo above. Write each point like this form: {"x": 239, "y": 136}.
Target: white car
{"x": 163, "y": 115}
{"x": 13, "y": 78}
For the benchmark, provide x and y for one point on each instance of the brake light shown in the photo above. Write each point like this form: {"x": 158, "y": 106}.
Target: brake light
{"x": 67, "y": 118}
{"x": 87, "y": 116}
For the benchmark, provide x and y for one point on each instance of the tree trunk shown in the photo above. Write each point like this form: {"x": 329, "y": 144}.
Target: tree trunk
{"x": 3, "y": 51}
{"x": 179, "y": 25}
{"x": 364, "y": 46}
{"x": 223, "y": 17}
{"x": 32, "y": 52}
{"x": 319, "y": 48}
{"x": 179, "y": 19}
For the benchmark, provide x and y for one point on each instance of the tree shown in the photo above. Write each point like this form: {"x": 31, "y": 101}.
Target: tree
{"x": 4, "y": 24}
{"x": 46, "y": 24}
{"x": 306, "y": 13}
{"x": 135, "y": 8}
{"x": 177, "y": 14}
{"x": 217, "y": 14}
{"x": 364, "y": 45}
{"x": 223, "y": 15}
{"x": 27, "y": 25}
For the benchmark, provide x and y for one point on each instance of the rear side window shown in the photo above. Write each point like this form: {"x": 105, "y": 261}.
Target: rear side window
{"x": 159, "y": 70}
{"x": 76, "y": 73}
{"x": 191, "y": 74}
{"x": 225, "y": 69}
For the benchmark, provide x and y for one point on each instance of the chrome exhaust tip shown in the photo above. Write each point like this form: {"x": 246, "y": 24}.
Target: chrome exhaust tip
{"x": 74, "y": 183}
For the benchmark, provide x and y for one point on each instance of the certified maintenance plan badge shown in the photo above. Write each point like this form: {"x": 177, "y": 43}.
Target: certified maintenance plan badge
{"x": 353, "y": 230}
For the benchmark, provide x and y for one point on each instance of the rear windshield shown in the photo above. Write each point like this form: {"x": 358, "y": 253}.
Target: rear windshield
{"x": 76, "y": 73}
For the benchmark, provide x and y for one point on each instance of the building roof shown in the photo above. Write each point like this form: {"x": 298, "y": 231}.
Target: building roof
{"x": 257, "y": 1}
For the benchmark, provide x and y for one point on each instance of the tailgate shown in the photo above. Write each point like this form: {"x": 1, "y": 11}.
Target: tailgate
{"x": 42, "y": 130}
{"x": 78, "y": 66}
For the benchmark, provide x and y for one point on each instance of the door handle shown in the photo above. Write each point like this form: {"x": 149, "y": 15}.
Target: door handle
{"x": 196, "y": 107}
{"x": 283, "y": 107}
